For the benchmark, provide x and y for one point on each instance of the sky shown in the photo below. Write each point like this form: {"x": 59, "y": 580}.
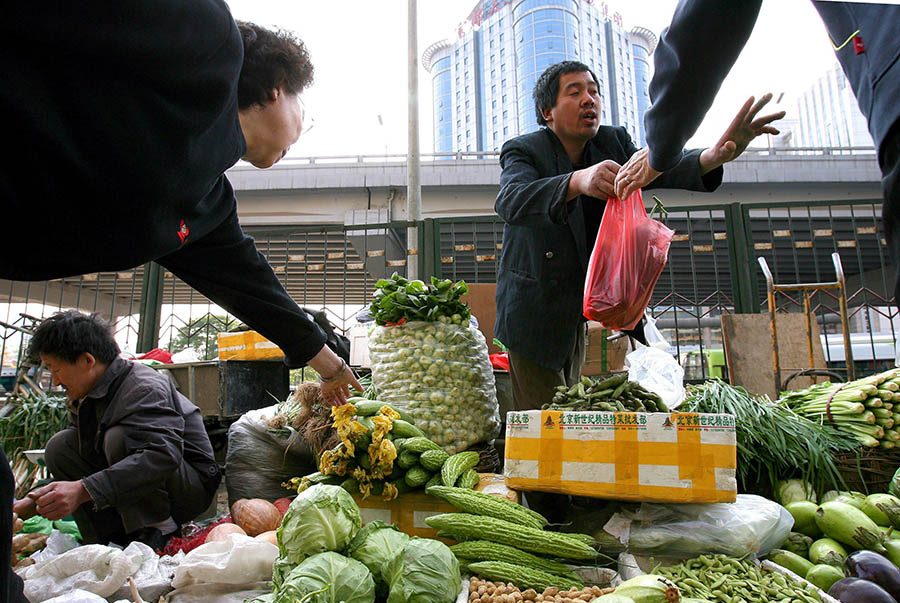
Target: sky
{"x": 359, "y": 49}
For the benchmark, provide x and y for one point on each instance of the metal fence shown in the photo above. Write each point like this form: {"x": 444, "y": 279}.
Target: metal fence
{"x": 712, "y": 270}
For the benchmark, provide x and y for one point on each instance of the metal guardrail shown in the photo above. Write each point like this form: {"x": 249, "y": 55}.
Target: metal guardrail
{"x": 490, "y": 155}
{"x": 711, "y": 272}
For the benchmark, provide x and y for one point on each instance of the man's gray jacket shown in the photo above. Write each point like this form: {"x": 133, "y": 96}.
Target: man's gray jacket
{"x": 543, "y": 264}
{"x": 162, "y": 430}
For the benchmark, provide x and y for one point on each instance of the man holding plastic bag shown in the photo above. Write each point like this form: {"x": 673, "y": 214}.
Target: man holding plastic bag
{"x": 553, "y": 191}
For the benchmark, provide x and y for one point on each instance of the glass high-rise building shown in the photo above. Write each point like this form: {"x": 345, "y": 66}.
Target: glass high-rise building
{"x": 482, "y": 81}
{"x": 829, "y": 114}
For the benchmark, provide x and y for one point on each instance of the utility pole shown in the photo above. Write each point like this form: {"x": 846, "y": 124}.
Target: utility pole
{"x": 413, "y": 183}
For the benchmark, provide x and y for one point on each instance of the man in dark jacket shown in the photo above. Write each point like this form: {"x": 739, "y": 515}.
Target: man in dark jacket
{"x": 553, "y": 190}
{"x": 120, "y": 120}
{"x": 136, "y": 461}
{"x": 693, "y": 57}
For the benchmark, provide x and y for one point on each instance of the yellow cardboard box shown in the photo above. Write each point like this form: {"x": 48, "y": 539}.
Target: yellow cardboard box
{"x": 247, "y": 345}
{"x": 647, "y": 457}
{"x": 409, "y": 510}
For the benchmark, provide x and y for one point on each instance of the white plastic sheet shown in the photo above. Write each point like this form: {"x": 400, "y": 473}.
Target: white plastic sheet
{"x": 239, "y": 560}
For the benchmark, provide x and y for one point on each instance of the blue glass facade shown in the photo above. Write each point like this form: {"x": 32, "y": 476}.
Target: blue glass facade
{"x": 443, "y": 105}
{"x": 641, "y": 87}
{"x": 483, "y": 79}
{"x": 545, "y": 33}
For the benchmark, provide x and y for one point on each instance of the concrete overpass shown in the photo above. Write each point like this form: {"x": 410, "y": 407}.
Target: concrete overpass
{"x": 338, "y": 190}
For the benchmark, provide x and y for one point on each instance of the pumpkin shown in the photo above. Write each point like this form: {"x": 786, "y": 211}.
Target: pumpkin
{"x": 255, "y": 515}
{"x": 268, "y": 537}
{"x": 223, "y": 531}
{"x": 282, "y": 505}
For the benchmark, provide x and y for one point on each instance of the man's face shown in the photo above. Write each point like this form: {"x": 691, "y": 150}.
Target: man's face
{"x": 77, "y": 378}
{"x": 275, "y": 127}
{"x": 575, "y": 117}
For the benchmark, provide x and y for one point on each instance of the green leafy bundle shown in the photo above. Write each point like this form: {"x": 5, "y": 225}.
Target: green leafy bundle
{"x": 398, "y": 300}
{"x": 29, "y": 425}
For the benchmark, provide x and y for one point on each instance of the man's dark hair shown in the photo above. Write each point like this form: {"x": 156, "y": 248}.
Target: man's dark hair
{"x": 69, "y": 334}
{"x": 272, "y": 59}
{"x": 547, "y": 87}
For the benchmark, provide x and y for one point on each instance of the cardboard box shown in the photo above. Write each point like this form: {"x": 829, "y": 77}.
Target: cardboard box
{"x": 602, "y": 356}
{"x": 247, "y": 345}
{"x": 644, "y": 457}
{"x": 409, "y": 510}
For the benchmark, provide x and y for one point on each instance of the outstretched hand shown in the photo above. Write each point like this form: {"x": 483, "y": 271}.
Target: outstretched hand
{"x": 744, "y": 128}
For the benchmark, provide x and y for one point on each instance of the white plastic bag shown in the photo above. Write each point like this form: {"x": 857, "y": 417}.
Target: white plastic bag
{"x": 653, "y": 336}
{"x": 238, "y": 560}
{"x": 752, "y": 525}
{"x": 95, "y": 568}
{"x": 77, "y": 596}
{"x": 219, "y": 593}
{"x": 441, "y": 375}
{"x": 657, "y": 371}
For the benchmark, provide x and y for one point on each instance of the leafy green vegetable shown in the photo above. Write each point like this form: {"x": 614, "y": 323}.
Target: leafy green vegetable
{"x": 376, "y": 544}
{"x": 397, "y": 300}
{"x": 328, "y": 578}
{"x": 426, "y": 572}
{"x": 321, "y": 518}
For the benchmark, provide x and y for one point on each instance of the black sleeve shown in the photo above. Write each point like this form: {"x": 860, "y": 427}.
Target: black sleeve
{"x": 226, "y": 267}
{"x": 693, "y": 56}
{"x": 525, "y": 198}
{"x": 684, "y": 175}
{"x": 10, "y": 583}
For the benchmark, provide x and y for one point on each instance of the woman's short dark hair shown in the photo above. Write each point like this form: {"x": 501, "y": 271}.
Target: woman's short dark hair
{"x": 272, "y": 59}
{"x": 547, "y": 87}
{"x": 69, "y": 334}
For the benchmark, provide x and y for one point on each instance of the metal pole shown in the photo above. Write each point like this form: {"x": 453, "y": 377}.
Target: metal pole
{"x": 413, "y": 184}
{"x": 151, "y": 307}
{"x": 770, "y": 297}
{"x": 845, "y": 320}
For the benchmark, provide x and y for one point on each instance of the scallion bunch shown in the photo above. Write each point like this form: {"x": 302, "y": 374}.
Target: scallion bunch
{"x": 863, "y": 408}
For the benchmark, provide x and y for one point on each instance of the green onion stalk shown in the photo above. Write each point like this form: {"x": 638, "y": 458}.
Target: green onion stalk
{"x": 773, "y": 442}
{"x": 33, "y": 419}
{"x": 862, "y": 409}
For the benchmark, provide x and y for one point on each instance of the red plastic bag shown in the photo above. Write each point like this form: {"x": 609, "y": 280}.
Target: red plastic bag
{"x": 500, "y": 361}
{"x": 628, "y": 257}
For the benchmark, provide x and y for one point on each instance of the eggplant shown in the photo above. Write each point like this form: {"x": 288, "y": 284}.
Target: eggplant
{"x": 876, "y": 568}
{"x": 857, "y": 590}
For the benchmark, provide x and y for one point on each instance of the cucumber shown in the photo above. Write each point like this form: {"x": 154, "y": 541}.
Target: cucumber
{"x": 405, "y": 429}
{"x": 369, "y": 408}
{"x": 790, "y": 561}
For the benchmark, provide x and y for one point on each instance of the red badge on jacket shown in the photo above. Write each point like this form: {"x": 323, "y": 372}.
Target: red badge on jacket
{"x": 183, "y": 232}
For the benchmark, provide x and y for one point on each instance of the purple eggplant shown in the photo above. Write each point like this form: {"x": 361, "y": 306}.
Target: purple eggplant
{"x": 857, "y": 590}
{"x": 876, "y": 568}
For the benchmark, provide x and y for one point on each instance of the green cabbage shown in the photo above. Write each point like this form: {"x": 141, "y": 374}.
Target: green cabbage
{"x": 281, "y": 568}
{"x": 321, "y": 518}
{"x": 426, "y": 572}
{"x": 375, "y": 545}
{"x": 328, "y": 578}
